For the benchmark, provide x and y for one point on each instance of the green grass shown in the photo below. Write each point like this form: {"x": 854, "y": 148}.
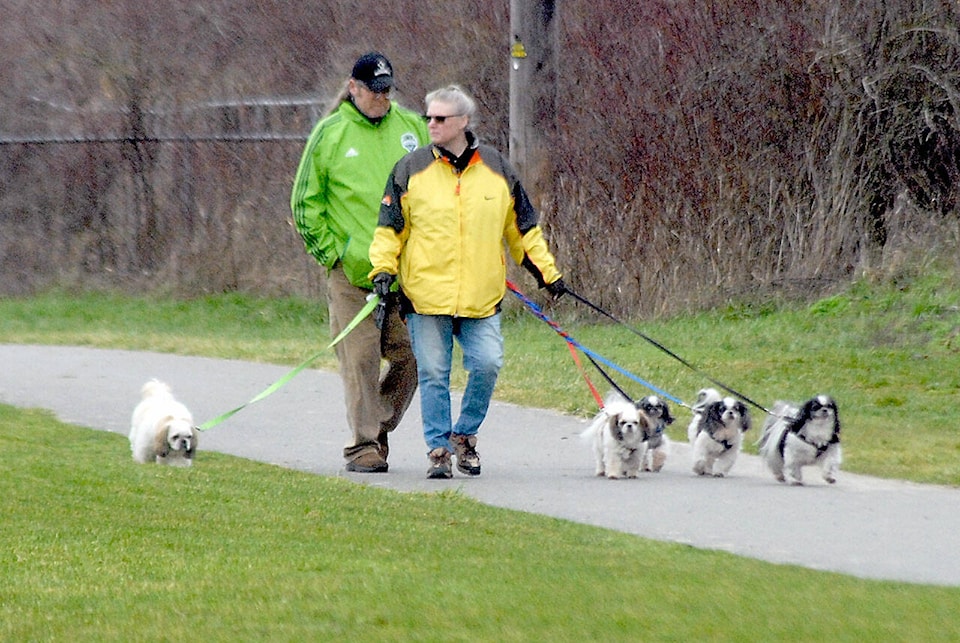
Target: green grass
{"x": 97, "y": 549}
{"x": 888, "y": 352}
{"x": 94, "y": 548}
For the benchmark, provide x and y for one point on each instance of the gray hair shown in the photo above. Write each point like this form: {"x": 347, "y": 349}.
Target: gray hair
{"x": 456, "y": 96}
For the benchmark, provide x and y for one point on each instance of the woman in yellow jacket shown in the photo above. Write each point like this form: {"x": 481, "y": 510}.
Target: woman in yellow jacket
{"x": 446, "y": 212}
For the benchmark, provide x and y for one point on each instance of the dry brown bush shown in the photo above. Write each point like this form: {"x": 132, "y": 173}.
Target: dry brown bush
{"x": 704, "y": 151}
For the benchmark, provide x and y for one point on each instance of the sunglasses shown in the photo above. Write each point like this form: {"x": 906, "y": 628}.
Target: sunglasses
{"x": 440, "y": 119}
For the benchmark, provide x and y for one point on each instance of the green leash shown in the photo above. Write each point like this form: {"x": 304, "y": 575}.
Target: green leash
{"x": 372, "y": 301}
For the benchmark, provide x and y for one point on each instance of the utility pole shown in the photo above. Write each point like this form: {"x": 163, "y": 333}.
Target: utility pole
{"x": 533, "y": 97}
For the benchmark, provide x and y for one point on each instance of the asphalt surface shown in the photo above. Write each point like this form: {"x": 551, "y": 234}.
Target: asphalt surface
{"x": 533, "y": 460}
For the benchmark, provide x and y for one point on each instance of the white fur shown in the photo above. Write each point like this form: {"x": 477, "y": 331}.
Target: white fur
{"x": 162, "y": 429}
{"x": 719, "y": 437}
{"x": 619, "y": 433}
{"x": 797, "y": 436}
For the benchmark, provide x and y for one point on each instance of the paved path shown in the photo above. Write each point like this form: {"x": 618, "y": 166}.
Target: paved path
{"x": 533, "y": 460}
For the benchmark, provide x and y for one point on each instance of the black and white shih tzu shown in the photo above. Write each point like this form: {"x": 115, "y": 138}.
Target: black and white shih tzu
{"x": 658, "y": 444}
{"x": 794, "y": 437}
{"x": 718, "y": 435}
{"x": 162, "y": 429}
{"x": 619, "y": 433}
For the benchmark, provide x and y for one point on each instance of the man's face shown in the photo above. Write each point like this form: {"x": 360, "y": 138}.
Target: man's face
{"x": 372, "y": 104}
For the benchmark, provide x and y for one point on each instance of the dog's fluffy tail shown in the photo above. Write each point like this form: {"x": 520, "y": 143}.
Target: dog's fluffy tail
{"x": 154, "y": 387}
{"x": 773, "y": 426}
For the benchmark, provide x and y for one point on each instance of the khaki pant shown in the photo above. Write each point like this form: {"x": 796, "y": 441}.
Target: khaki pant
{"x": 377, "y": 393}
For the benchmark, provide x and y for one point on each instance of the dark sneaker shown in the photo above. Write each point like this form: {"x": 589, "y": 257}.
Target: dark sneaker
{"x": 439, "y": 464}
{"x": 368, "y": 463}
{"x": 468, "y": 460}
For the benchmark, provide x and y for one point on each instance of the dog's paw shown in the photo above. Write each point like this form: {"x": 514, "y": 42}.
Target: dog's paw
{"x": 718, "y": 474}
{"x": 830, "y": 479}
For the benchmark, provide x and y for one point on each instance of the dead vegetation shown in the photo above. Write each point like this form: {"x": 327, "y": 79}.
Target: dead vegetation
{"x": 704, "y": 152}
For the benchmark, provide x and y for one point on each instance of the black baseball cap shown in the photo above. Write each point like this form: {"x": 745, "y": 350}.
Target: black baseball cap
{"x": 373, "y": 70}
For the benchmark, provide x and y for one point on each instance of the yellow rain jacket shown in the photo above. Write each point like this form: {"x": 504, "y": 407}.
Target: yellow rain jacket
{"x": 444, "y": 232}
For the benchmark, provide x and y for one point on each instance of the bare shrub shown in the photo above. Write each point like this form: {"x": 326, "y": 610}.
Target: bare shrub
{"x": 704, "y": 152}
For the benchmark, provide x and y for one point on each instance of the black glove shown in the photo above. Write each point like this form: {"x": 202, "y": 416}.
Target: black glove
{"x": 382, "y": 281}
{"x": 557, "y": 289}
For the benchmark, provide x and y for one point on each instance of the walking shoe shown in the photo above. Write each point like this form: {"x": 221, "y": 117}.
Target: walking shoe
{"x": 368, "y": 463}
{"x": 468, "y": 460}
{"x": 439, "y": 464}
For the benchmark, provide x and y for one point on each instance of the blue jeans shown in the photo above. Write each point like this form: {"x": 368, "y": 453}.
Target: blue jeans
{"x": 482, "y": 345}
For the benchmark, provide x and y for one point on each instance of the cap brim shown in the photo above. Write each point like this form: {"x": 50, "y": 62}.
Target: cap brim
{"x": 381, "y": 84}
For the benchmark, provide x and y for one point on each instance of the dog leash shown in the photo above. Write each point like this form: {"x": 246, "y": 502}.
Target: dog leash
{"x": 372, "y": 301}
{"x": 592, "y": 355}
{"x": 666, "y": 350}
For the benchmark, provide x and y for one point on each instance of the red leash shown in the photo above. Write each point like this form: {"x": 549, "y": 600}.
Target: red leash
{"x": 566, "y": 337}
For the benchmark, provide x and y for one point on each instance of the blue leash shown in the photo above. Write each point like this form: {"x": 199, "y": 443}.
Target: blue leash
{"x": 666, "y": 350}
{"x": 538, "y": 312}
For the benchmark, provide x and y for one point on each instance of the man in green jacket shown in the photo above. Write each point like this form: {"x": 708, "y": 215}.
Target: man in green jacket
{"x": 335, "y": 201}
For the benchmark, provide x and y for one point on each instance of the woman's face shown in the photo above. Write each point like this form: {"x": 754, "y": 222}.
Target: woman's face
{"x": 373, "y": 104}
{"x": 445, "y": 123}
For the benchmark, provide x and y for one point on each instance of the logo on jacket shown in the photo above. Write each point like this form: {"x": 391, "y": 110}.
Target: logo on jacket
{"x": 351, "y": 153}
{"x": 409, "y": 141}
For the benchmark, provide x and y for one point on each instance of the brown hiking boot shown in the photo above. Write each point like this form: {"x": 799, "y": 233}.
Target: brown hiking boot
{"x": 368, "y": 463}
{"x": 468, "y": 460}
{"x": 439, "y": 464}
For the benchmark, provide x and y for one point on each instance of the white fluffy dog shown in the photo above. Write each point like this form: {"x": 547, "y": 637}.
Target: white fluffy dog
{"x": 162, "y": 429}
{"x": 719, "y": 437}
{"x": 658, "y": 444}
{"x": 794, "y": 437}
{"x": 619, "y": 433}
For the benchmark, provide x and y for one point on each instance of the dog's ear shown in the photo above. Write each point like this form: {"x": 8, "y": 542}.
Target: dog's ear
{"x": 647, "y": 424}
{"x": 160, "y": 444}
{"x": 666, "y": 417}
{"x": 801, "y": 417}
{"x": 613, "y": 424}
{"x": 746, "y": 421}
{"x": 714, "y": 411}
{"x": 645, "y": 420}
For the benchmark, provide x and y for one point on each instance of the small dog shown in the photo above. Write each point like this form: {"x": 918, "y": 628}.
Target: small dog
{"x": 619, "y": 433}
{"x": 719, "y": 437}
{"x": 658, "y": 444}
{"x": 795, "y": 437}
{"x": 162, "y": 429}
{"x": 705, "y": 397}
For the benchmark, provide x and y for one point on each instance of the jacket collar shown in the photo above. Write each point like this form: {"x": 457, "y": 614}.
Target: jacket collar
{"x": 461, "y": 162}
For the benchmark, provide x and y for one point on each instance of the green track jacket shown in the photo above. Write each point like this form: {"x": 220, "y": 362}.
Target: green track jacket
{"x": 340, "y": 180}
